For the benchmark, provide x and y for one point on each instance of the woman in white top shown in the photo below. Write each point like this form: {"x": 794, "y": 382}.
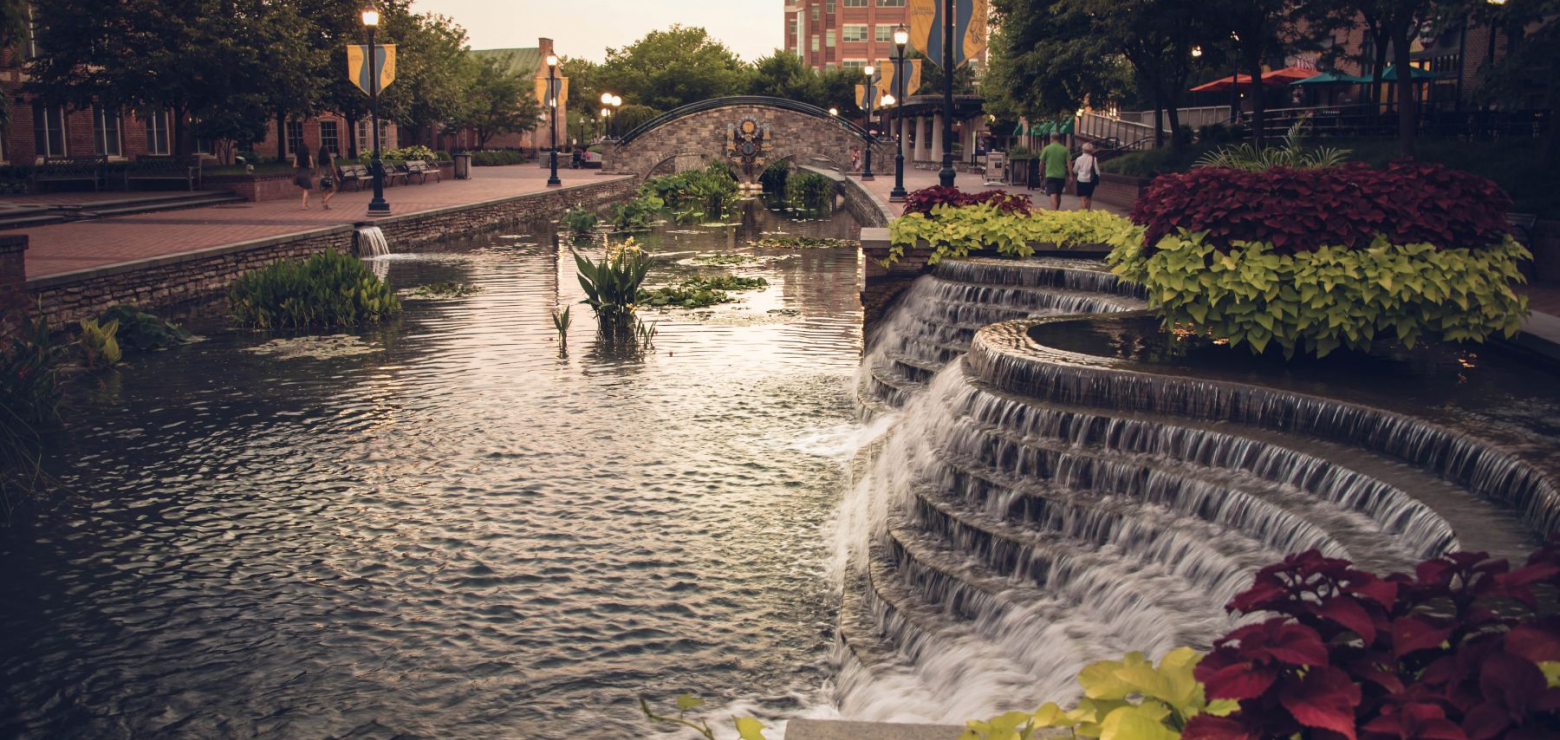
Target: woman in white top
{"x": 1086, "y": 171}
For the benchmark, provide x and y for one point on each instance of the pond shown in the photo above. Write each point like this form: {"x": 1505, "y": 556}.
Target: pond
{"x": 444, "y": 527}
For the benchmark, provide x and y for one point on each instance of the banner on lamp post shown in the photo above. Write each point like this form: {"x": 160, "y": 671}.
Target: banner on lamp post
{"x": 969, "y": 29}
{"x": 560, "y": 90}
{"x": 357, "y": 65}
{"x": 892, "y": 69}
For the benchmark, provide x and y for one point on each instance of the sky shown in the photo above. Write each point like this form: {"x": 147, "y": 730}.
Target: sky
{"x": 585, "y": 28}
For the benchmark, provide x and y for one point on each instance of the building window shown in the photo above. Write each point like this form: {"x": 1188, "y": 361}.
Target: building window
{"x": 829, "y": 67}
{"x": 366, "y": 143}
{"x": 883, "y": 33}
{"x": 814, "y": 13}
{"x": 855, "y": 3}
{"x": 49, "y": 129}
{"x": 828, "y": 38}
{"x": 294, "y": 136}
{"x": 30, "y": 48}
{"x": 829, "y": 7}
{"x": 329, "y": 138}
{"x": 853, "y": 65}
{"x": 854, "y": 32}
{"x": 105, "y": 132}
{"x": 891, "y": 3}
{"x": 815, "y": 42}
{"x": 156, "y": 131}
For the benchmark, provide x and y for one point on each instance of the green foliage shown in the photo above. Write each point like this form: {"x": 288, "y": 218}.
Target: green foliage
{"x": 497, "y": 158}
{"x": 710, "y": 193}
{"x": 612, "y": 285}
{"x": 1046, "y": 61}
{"x": 773, "y": 178}
{"x": 560, "y": 321}
{"x": 1128, "y": 699}
{"x": 637, "y": 214}
{"x": 957, "y": 231}
{"x": 1292, "y": 154}
{"x": 1318, "y": 301}
{"x": 499, "y": 100}
{"x": 579, "y": 220}
{"x": 747, "y": 727}
{"x": 143, "y": 331}
{"x": 805, "y": 242}
{"x": 445, "y": 289}
{"x": 700, "y": 292}
{"x": 99, "y": 347}
{"x": 785, "y": 74}
{"x": 670, "y": 68}
{"x": 400, "y": 156}
{"x": 726, "y": 260}
{"x": 809, "y": 191}
{"x": 326, "y": 290}
{"x": 29, "y": 399}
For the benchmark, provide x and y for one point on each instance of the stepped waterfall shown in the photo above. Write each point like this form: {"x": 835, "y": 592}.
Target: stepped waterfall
{"x": 1032, "y": 511}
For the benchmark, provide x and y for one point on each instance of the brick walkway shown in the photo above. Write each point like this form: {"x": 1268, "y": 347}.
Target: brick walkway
{"x": 83, "y": 245}
{"x": 916, "y": 179}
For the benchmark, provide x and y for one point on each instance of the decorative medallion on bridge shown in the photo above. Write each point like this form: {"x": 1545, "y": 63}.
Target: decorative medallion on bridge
{"x": 747, "y": 141}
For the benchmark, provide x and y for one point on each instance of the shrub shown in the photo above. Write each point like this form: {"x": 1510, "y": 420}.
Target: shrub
{"x": 1316, "y": 301}
{"x": 612, "y": 285}
{"x": 1348, "y": 206}
{"x": 809, "y": 191}
{"x": 710, "y": 193}
{"x": 99, "y": 347}
{"x": 638, "y": 213}
{"x": 579, "y": 220}
{"x": 1291, "y": 154}
{"x": 326, "y": 290}
{"x": 142, "y": 331}
{"x": 924, "y": 201}
{"x": 955, "y": 231}
{"x": 402, "y": 155}
{"x": 773, "y": 178}
{"x": 29, "y": 399}
{"x": 497, "y": 158}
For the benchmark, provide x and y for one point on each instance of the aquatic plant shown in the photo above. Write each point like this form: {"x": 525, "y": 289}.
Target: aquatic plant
{"x": 142, "y": 330}
{"x": 637, "y": 214}
{"x": 809, "y": 191}
{"x": 712, "y": 192}
{"x": 773, "y": 178}
{"x": 645, "y": 332}
{"x": 560, "y": 321}
{"x": 328, "y": 289}
{"x": 805, "y": 242}
{"x": 579, "y": 220}
{"x": 612, "y": 285}
{"x": 955, "y": 231}
{"x": 29, "y": 401}
{"x": 747, "y": 727}
{"x": 444, "y": 289}
{"x": 1319, "y": 300}
{"x": 700, "y": 292}
{"x": 726, "y": 260}
{"x": 99, "y": 347}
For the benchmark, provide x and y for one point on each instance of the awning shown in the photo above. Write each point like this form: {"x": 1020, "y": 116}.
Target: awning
{"x": 1332, "y": 78}
{"x": 1224, "y": 84}
{"x": 1416, "y": 74}
{"x": 1287, "y": 75}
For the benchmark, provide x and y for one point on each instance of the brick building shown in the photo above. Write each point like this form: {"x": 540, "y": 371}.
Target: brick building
{"x": 529, "y": 62}
{"x": 833, "y": 34}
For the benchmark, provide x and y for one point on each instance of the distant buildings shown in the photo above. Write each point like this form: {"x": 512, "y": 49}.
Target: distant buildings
{"x": 837, "y": 34}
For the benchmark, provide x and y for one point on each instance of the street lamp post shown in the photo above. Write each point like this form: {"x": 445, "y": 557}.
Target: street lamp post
{"x": 866, "y": 169}
{"x": 606, "y": 105}
{"x": 552, "y": 120}
{"x": 945, "y": 176}
{"x": 901, "y": 37}
{"x": 617, "y": 102}
{"x": 378, "y": 206}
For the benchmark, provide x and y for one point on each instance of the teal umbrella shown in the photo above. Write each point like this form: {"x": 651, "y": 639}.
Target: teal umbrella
{"x": 1332, "y": 78}
{"x": 1416, "y": 74}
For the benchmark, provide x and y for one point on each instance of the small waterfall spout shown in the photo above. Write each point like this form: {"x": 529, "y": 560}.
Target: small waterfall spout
{"x": 371, "y": 243}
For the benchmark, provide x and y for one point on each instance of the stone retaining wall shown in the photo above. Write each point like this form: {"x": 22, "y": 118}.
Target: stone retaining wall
{"x": 13, "y": 265}
{"x": 179, "y": 278}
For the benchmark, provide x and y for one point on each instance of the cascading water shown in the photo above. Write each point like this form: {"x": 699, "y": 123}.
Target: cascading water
{"x": 999, "y": 538}
{"x": 371, "y": 243}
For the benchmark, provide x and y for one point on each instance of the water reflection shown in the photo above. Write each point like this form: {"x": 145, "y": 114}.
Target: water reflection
{"x": 459, "y": 534}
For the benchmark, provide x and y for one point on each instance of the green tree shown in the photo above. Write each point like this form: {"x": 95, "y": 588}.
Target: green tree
{"x": 1043, "y": 60}
{"x": 1156, "y": 38}
{"x": 839, "y": 91}
{"x": 433, "y": 70}
{"x": 498, "y": 101}
{"x": 13, "y": 30}
{"x": 1259, "y": 30}
{"x": 1532, "y": 31}
{"x": 784, "y": 74}
{"x": 671, "y": 68}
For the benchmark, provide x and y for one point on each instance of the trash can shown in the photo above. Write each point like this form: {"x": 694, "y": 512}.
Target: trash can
{"x": 463, "y": 166}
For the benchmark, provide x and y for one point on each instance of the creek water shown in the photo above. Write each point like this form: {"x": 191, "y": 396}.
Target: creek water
{"x": 444, "y": 528}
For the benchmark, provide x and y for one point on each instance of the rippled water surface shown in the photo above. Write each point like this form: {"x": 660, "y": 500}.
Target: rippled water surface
{"x": 457, "y": 533}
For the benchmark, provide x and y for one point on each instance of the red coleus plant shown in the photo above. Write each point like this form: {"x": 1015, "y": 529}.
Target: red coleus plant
{"x": 1451, "y": 652}
{"x": 1303, "y": 210}
{"x": 924, "y": 200}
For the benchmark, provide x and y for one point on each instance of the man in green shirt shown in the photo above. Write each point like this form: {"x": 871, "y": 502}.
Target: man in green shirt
{"x": 1055, "y": 157}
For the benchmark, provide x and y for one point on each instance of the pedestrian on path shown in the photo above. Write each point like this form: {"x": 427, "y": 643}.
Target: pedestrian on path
{"x": 303, "y": 172}
{"x": 328, "y": 177}
{"x": 1086, "y": 170}
{"x": 1055, "y": 156}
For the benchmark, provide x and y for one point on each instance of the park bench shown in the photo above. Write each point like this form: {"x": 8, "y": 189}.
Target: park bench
{"x": 356, "y": 174}
{"x": 70, "y": 169}
{"x": 1521, "y": 225}
{"x": 421, "y": 170}
{"x": 171, "y": 169}
{"x": 392, "y": 171}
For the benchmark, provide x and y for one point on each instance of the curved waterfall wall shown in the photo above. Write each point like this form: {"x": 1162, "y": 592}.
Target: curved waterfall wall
{"x": 1030, "y": 513}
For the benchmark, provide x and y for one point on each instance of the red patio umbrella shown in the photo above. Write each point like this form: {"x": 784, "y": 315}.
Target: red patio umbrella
{"x": 1287, "y": 75}
{"x": 1223, "y": 84}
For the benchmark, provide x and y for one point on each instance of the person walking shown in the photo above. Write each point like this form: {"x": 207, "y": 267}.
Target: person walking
{"x": 303, "y": 172}
{"x": 1055, "y": 157}
{"x": 329, "y": 177}
{"x": 855, "y": 159}
{"x": 1086, "y": 171}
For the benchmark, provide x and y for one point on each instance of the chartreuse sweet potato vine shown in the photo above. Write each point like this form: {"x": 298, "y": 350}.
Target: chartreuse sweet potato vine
{"x": 1127, "y": 699}
{"x": 1332, "y": 297}
{"x": 955, "y": 231}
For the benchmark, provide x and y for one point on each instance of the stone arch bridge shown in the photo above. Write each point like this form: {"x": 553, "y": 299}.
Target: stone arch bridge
{"x": 748, "y": 132}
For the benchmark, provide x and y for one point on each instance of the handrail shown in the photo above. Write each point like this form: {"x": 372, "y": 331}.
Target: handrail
{"x": 735, "y": 100}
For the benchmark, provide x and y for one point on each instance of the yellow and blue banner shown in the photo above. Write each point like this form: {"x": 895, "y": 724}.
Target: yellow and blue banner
{"x": 357, "y": 65}
{"x": 969, "y": 29}
{"x": 559, "y": 91}
{"x": 892, "y": 69}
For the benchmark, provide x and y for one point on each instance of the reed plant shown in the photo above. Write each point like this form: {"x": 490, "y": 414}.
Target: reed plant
{"x": 99, "y": 344}
{"x": 29, "y": 402}
{"x": 612, "y": 284}
{"x": 809, "y": 191}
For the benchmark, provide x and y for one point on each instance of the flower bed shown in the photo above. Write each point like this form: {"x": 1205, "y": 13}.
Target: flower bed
{"x": 957, "y": 230}
{"x": 1311, "y": 260}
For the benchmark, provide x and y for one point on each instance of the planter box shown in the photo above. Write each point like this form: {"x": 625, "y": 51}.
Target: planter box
{"x": 1121, "y": 191}
{"x": 279, "y": 185}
